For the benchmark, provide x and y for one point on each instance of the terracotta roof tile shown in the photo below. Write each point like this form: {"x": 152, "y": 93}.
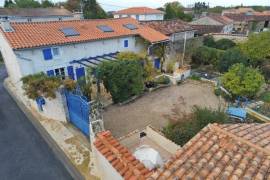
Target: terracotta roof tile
{"x": 36, "y": 34}
{"x": 139, "y": 10}
{"x": 120, "y": 157}
{"x": 222, "y": 152}
{"x": 170, "y": 26}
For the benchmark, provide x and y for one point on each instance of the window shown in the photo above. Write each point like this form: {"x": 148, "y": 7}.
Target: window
{"x": 47, "y": 54}
{"x": 29, "y": 19}
{"x": 69, "y": 31}
{"x": 126, "y": 43}
{"x": 105, "y": 28}
{"x": 56, "y": 51}
{"x": 60, "y": 19}
{"x": 60, "y": 72}
{"x": 130, "y": 26}
{"x": 137, "y": 17}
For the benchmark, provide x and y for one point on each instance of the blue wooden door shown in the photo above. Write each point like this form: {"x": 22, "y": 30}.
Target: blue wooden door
{"x": 80, "y": 73}
{"x": 157, "y": 63}
{"x": 79, "y": 110}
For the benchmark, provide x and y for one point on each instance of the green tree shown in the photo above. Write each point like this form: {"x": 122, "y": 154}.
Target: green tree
{"x": 231, "y": 57}
{"x": 205, "y": 55}
{"x": 242, "y": 81}
{"x": 257, "y": 48}
{"x": 123, "y": 79}
{"x": 72, "y": 5}
{"x": 225, "y": 44}
{"x": 47, "y": 4}
{"x": 92, "y": 10}
{"x": 174, "y": 10}
{"x": 209, "y": 41}
{"x": 27, "y": 4}
{"x": 200, "y": 7}
{"x": 9, "y": 4}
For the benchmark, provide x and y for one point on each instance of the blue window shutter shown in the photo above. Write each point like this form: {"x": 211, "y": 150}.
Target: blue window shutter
{"x": 80, "y": 73}
{"x": 126, "y": 43}
{"x": 47, "y": 54}
{"x": 50, "y": 73}
{"x": 70, "y": 72}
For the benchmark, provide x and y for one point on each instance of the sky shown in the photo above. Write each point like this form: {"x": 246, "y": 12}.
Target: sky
{"x": 111, "y": 5}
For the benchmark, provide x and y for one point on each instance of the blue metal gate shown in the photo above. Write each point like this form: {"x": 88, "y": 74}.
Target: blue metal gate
{"x": 79, "y": 111}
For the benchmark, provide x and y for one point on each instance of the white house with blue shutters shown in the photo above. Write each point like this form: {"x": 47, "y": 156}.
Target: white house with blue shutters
{"x": 66, "y": 48}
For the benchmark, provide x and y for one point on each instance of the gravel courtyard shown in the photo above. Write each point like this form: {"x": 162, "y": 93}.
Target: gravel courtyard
{"x": 153, "y": 108}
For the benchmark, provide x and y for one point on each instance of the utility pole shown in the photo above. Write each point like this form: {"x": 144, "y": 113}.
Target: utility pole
{"x": 184, "y": 51}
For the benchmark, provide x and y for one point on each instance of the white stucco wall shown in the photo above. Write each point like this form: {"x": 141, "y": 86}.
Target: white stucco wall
{"x": 105, "y": 170}
{"x": 35, "y": 61}
{"x": 181, "y": 36}
{"x": 142, "y": 17}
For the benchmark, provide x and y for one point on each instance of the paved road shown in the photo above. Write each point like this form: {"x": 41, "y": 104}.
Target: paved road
{"x": 24, "y": 154}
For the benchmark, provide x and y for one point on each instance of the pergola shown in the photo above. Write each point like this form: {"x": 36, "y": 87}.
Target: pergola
{"x": 94, "y": 61}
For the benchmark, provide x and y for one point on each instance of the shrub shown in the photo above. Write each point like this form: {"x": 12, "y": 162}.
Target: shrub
{"x": 195, "y": 77}
{"x": 209, "y": 41}
{"x": 242, "y": 81}
{"x": 265, "y": 97}
{"x": 205, "y": 56}
{"x": 69, "y": 84}
{"x": 231, "y": 57}
{"x": 224, "y": 44}
{"x": 163, "y": 80}
{"x": 170, "y": 66}
{"x": 183, "y": 130}
{"x": 123, "y": 79}
{"x": 266, "y": 69}
{"x": 1, "y": 57}
{"x": 37, "y": 85}
{"x": 130, "y": 56}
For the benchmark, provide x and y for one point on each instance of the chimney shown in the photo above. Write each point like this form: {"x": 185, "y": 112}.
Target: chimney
{"x": 6, "y": 26}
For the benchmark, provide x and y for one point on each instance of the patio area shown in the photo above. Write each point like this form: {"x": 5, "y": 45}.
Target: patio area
{"x": 154, "y": 108}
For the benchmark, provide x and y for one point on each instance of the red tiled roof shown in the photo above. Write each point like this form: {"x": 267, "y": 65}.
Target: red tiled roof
{"x": 239, "y": 151}
{"x": 169, "y": 27}
{"x": 139, "y": 10}
{"x": 222, "y": 19}
{"x": 120, "y": 157}
{"x": 206, "y": 29}
{"x": 36, "y": 34}
{"x": 243, "y": 17}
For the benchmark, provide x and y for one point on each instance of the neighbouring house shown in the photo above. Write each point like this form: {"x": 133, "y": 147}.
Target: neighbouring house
{"x": 38, "y": 14}
{"x": 188, "y": 11}
{"x": 177, "y": 29}
{"x": 229, "y": 151}
{"x": 238, "y": 10}
{"x": 248, "y": 20}
{"x": 214, "y": 20}
{"x": 66, "y": 48}
{"x": 140, "y": 14}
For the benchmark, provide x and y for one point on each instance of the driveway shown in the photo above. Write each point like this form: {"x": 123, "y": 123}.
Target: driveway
{"x": 23, "y": 152}
{"x": 157, "y": 107}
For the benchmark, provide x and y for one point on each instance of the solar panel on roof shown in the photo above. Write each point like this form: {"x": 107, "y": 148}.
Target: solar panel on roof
{"x": 105, "y": 28}
{"x": 130, "y": 26}
{"x": 70, "y": 32}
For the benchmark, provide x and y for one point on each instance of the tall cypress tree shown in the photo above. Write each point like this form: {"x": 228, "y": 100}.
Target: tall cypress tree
{"x": 92, "y": 10}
